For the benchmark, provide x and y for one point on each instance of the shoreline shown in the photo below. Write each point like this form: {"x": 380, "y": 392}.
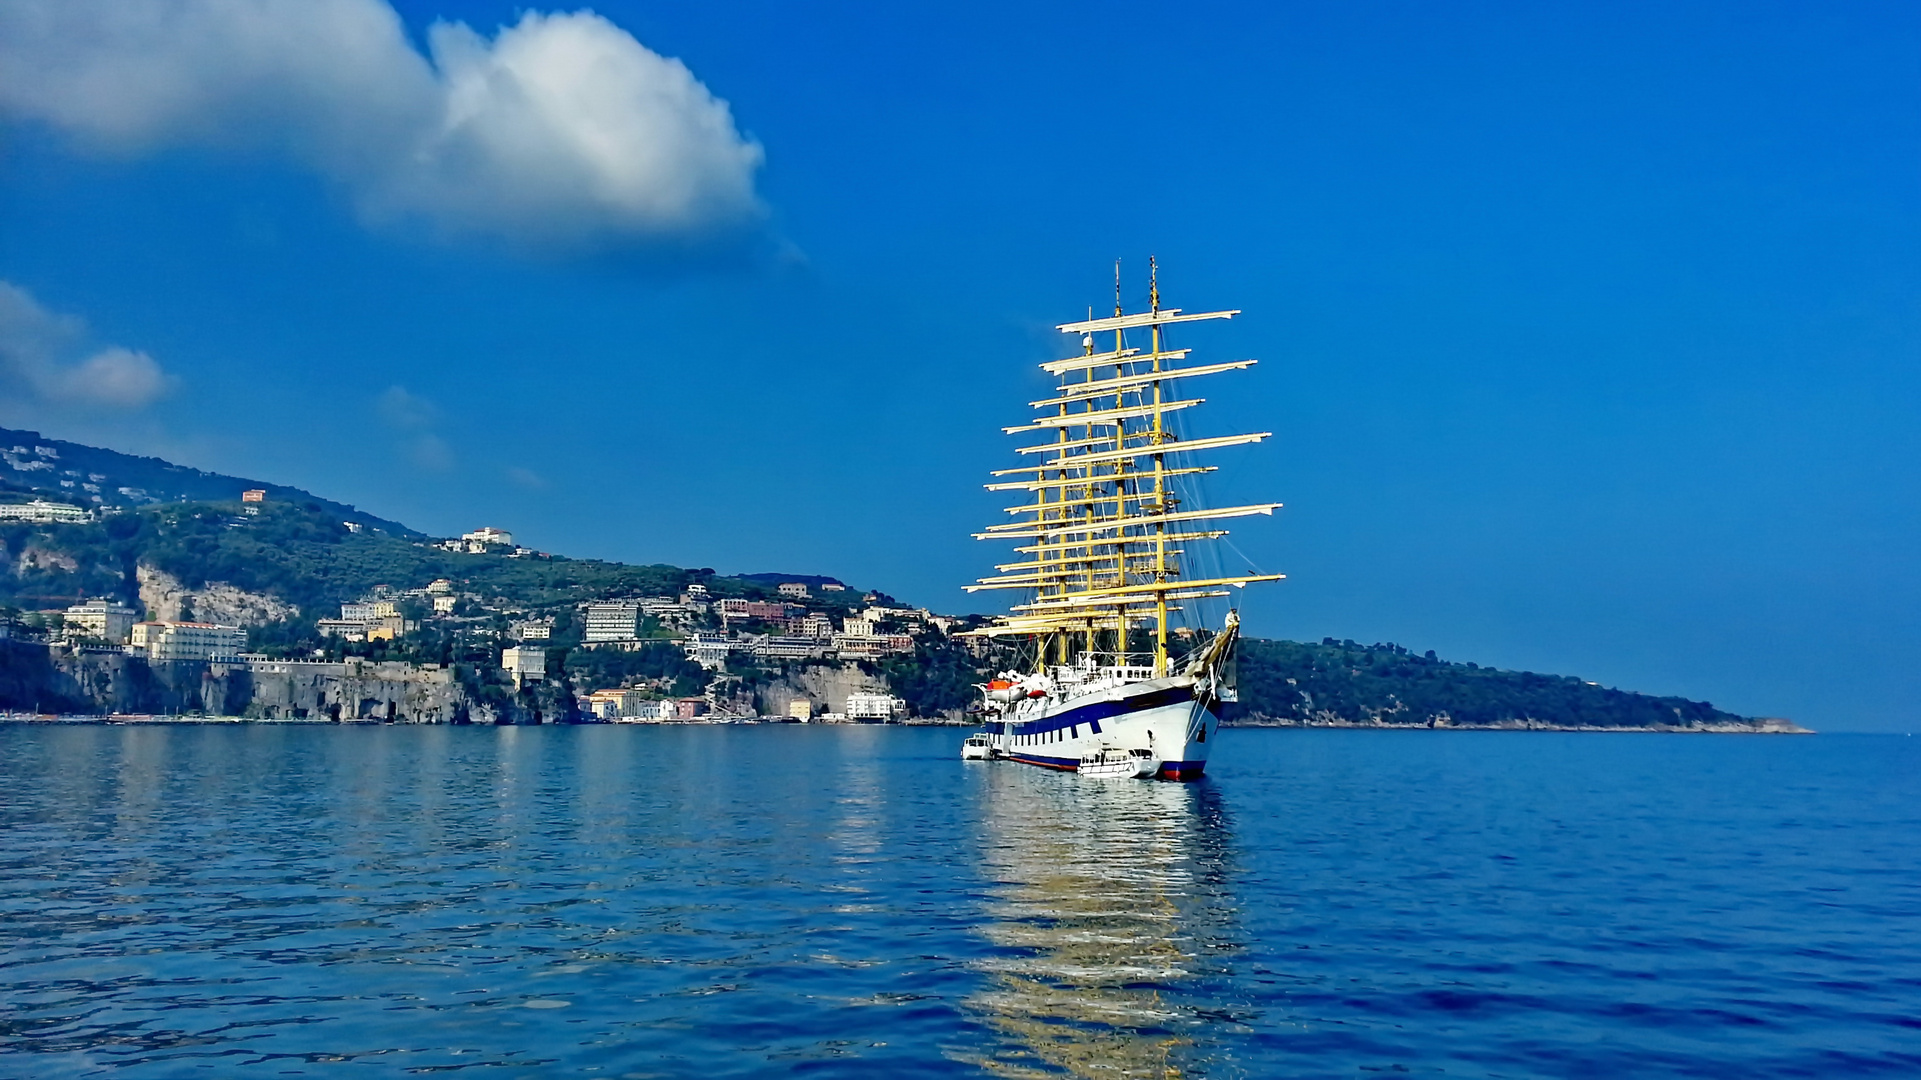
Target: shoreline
{"x": 1766, "y": 726}
{"x": 1759, "y": 727}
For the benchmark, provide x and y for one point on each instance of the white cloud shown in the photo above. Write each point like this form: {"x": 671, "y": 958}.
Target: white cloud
{"x": 406, "y": 411}
{"x": 521, "y": 476}
{"x": 561, "y": 130}
{"x": 429, "y": 452}
{"x": 402, "y": 408}
{"x": 118, "y": 377}
{"x": 45, "y": 356}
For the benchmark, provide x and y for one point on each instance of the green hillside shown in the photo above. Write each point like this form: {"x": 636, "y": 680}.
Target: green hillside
{"x": 1344, "y": 682}
{"x": 34, "y": 466}
{"x": 300, "y": 553}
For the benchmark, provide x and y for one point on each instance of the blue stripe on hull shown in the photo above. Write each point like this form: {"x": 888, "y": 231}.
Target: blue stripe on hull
{"x": 1182, "y": 720}
{"x": 1094, "y": 712}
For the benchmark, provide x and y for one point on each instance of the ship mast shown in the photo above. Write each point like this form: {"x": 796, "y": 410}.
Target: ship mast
{"x": 1104, "y": 517}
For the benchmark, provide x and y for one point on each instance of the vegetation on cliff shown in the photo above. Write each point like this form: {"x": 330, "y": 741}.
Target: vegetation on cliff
{"x": 301, "y": 553}
{"x": 1344, "y": 682}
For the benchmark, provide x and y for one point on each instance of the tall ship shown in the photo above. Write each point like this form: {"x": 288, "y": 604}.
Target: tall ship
{"x": 1117, "y": 558}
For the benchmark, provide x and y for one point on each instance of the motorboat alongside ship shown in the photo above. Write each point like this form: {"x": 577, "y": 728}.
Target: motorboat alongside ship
{"x": 1113, "y": 763}
{"x": 1122, "y": 669}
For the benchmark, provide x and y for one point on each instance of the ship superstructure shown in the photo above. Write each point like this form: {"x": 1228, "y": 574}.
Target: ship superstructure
{"x": 1109, "y": 530}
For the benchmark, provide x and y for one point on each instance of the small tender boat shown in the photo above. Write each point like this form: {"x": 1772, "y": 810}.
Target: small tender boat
{"x": 978, "y": 747}
{"x": 1113, "y": 763}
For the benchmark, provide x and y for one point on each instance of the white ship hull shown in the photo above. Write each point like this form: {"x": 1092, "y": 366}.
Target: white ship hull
{"x": 1166, "y": 717}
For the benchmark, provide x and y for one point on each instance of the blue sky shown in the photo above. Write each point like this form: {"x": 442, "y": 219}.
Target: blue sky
{"x": 1588, "y": 332}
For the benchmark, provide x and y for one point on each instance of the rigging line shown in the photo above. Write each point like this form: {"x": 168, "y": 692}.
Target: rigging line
{"x": 1251, "y": 564}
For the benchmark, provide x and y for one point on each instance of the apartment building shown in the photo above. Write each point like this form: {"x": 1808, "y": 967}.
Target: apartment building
{"x": 881, "y": 707}
{"x": 617, "y": 620}
{"x": 45, "y": 513}
{"x": 524, "y": 663}
{"x": 109, "y": 620}
{"x": 187, "y": 640}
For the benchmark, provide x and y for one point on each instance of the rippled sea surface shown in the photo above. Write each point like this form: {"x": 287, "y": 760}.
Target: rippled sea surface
{"x": 712, "y": 901}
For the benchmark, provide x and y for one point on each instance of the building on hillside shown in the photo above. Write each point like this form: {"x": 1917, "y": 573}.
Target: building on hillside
{"x": 42, "y": 512}
{"x": 254, "y": 495}
{"x": 444, "y": 605}
{"x": 187, "y": 640}
{"x": 109, "y": 620}
{"x": 858, "y": 626}
{"x": 795, "y": 589}
{"x": 650, "y": 711}
{"x": 801, "y": 709}
{"x": 533, "y": 630}
{"x": 368, "y": 610}
{"x": 617, "y": 620}
{"x": 688, "y": 708}
{"x": 440, "y": 587}
{"x": 789, "y": 648}
{"x": 869, "y": 707}
{"x": 615, "y": 704}
{"x": 833, "y": 586}
{"x": 345, "y": 629}
{"x": 709, "y": 649}
{"x": 524, "y": 663}
{"x": 859, "y": 646}
{"x": 486, "y": 535}
{"x": 736, "y": 608}
{"x": 813, "y": 626}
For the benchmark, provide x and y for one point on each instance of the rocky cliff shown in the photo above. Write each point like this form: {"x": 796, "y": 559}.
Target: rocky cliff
{"x": 166, "y": 598}
{"x": 36, "y": 678}
{"x": 826, "y": 686}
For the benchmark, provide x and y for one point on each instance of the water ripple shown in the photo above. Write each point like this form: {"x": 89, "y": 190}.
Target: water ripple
{"x": 666, "y": 902}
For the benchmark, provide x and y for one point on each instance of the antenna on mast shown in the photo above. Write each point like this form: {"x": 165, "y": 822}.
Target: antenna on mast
{"x": 1117, "y": 286}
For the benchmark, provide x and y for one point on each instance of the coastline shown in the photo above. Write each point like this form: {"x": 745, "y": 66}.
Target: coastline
{"x": 1765, "y": 726}
{"x": 1760, "y": 726}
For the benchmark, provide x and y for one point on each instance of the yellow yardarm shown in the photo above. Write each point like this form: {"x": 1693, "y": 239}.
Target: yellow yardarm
{"x": 1103, "y": 512}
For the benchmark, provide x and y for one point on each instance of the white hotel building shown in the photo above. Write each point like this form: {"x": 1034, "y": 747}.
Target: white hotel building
{"x": 188, "y": 640}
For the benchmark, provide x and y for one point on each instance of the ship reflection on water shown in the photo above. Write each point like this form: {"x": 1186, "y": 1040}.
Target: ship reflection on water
{"x": 1112, "y": 922}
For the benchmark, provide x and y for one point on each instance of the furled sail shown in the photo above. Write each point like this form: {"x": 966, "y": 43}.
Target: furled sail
{"x": 1107, "y": 517}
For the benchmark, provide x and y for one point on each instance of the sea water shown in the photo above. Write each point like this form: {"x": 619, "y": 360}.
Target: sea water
{"x": 185, "y": 901}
